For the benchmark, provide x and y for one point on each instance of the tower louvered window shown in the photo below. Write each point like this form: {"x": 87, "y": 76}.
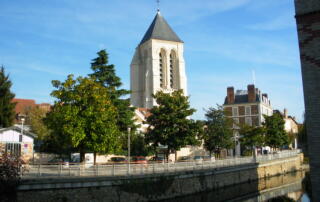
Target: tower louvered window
{"x": 161, "y": 69}
{"x": 171, "y": 70}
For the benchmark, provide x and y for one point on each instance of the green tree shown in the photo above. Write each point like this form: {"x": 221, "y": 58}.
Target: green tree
{"x": 218, "y": 132}
{"x": 104, "y": 73}
{"x": 35, "y": 119}
{"x": 276, "y": 136}
{"x": 6, "y": 105}
{"x": 169, "y": 123}
{"x": 83, "y": 116}
{"x": 252, "y": 136}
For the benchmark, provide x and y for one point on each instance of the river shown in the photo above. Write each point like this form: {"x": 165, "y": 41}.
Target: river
{"x": 291, "y": 187}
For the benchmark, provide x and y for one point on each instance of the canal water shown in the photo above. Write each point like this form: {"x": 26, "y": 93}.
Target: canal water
{"x": 291, "y": 187}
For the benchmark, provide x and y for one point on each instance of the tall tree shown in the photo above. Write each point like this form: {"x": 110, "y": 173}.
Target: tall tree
{"x": 84, "y": 116}
{"x": 252, "y": 136}
{"x": 218, "y": 133}
{"x": 105, "y": 74}
{"x": 276, "y": 136}
{"x": 169, "y": 123}
{"x": 6, "y": 105}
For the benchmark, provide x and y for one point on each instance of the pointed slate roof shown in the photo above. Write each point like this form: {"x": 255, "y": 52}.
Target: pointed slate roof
{"x": 160, "y": 29}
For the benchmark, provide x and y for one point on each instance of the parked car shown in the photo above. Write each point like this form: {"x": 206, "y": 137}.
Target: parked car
{"x": 157, "y": 159}
{"x": 118, "y": 160}
{"x": 59, "y": 161}
{"x": 139, "y": 160}
{"x": 185, "y": 159}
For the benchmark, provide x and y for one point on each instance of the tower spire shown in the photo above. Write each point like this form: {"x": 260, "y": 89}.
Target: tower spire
{"x": 158, "y": 4}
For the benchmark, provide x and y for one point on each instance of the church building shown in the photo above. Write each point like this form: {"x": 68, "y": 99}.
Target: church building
{"x": 157, "y": 65}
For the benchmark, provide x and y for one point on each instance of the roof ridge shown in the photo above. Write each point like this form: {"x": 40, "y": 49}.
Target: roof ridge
{"x": 160, "y": 29}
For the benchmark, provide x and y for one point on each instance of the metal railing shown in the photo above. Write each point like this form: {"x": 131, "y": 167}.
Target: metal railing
{"x": 76, "y": 170}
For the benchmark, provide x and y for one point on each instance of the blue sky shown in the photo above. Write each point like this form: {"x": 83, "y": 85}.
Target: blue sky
{"x": 225, "y": 40}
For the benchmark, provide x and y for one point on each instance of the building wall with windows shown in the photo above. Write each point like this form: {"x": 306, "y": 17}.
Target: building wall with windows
{"x": 16, "y": 142}
{"x": 247, "y": 106}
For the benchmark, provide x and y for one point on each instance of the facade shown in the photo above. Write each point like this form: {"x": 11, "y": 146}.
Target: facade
{"x": 246, "y": 107}
{"x": 157, "y": 65}
{"x": 17, "y": 142}
{"x": 308, "y": 20}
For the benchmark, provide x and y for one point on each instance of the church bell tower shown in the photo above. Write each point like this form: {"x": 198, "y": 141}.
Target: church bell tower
{"x": 157, "y": 65}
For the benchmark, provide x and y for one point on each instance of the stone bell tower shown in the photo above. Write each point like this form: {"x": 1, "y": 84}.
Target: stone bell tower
{"x": 157, "y": 65}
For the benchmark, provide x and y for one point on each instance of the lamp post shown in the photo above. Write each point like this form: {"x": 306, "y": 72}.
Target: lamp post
{"x": 22, "y": 122}
{"x": 129, "y": 131}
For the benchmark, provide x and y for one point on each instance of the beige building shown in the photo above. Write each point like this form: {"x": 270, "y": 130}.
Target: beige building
{"x": 157, "y": 65}
{"x": 246, "y": 107}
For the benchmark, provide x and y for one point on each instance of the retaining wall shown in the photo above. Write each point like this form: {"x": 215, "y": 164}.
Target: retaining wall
{"x": 151, "y": 187}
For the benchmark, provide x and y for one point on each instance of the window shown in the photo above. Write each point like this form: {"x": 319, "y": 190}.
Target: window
{"x": 171, "y": 70}
{"x": 235, "y": 122}
{"x": 248, "y": 121}
{"x": 161, "y": 69}
{"x": 235, "y": 111}
{"x": 13, "y": 149}
{"x": 248, "y": 110}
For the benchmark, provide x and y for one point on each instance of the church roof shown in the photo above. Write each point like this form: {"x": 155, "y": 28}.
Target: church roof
{"x": 160, "y": 29}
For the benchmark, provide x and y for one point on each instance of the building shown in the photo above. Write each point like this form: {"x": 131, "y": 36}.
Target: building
{"x": 16, "y": 141}
{"x": 308, "y": 20}
{"x": 23, "y": 106}
{"x": 157, "y": 65}
{"x": 246, "y": 107}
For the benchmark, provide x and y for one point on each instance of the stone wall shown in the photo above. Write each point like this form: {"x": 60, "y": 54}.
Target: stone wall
{"x": 151, "y": 187}
{"x": 308, "y": 24}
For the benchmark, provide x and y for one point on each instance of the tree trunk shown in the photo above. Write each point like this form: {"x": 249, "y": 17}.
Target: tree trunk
{"x": 82, "y": 155}
{"x": 175, "y": 156}
{"x": 94, "y": 158}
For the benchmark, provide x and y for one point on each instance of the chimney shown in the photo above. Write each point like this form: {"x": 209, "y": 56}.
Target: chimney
{"x": 285, "y": 113}
{"x": 230, "y": 94}
{"x": 251, "y": 93}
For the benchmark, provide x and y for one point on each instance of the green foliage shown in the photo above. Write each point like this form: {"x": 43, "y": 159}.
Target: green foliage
{"x": 10, "y": 171}
{"x": 6, "y": 105}
{"x": 35, "y": 119}
{"x": 83, "y": 116}
{"x": 252, "y": 136}
{"x": 276, "y": 136}
{"x": 104, "y": 73}
{"x": 169, "y": 122}
{"x": 218, "y": 133}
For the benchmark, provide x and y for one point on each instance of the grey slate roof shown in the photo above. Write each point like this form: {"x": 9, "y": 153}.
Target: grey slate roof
{"x": 160, "y": 29}
{"x": 239, "y": 99}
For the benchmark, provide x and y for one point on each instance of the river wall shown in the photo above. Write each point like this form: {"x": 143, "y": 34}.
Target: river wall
{"x": 153, "y": 187}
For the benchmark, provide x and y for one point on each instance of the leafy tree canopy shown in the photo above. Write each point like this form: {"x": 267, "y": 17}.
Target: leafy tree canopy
{"x": 6, "y": 105}
{"x": 218, "y": 133}
{"x": 251, "y": 136}
{"x": 83, "y": 116}
{"x": 276, "y": 136}
{"x": 105, "y": 74}
{"x": 169, "y": 123}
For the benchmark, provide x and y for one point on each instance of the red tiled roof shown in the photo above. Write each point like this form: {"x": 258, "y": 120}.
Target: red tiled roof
{"x": 23, "y": 105}
{"x": 145, "y": 111}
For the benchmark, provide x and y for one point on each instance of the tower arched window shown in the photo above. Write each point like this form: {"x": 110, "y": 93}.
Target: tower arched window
{"x": 172, "y": 69}
{"x": 161, "y": 70}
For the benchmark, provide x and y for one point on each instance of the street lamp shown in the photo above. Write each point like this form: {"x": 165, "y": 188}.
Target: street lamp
{"x": 22, "y": 122}
{"x": 129, "y": 131}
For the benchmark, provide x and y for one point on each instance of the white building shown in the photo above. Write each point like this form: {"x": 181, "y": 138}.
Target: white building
{"x": 17, "y": 142}
{"x": 157, "y": 65}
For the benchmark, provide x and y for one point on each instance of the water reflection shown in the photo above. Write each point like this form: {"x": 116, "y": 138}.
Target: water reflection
{"x": 284, "y": 188}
